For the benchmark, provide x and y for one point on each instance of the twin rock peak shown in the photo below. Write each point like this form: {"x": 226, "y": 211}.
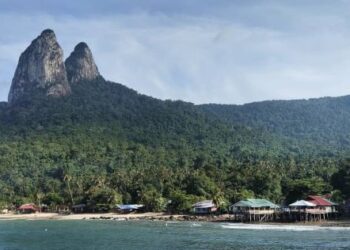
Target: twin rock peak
{"x": 41, "y": 67}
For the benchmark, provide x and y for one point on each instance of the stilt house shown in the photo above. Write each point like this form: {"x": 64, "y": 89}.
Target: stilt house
{"x": 254, "y": 210}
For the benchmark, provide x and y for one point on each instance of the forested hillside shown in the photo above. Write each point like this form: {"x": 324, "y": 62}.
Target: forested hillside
{"x": 324, "y": 122}
{"x": 106, "y": 143}
{"x": 69, "y": 137}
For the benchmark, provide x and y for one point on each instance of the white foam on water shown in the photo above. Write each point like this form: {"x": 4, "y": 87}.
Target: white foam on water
{"x": 196, "y": 225}
{"x": 241, "y": 226}
{"x": 172, "y": 222}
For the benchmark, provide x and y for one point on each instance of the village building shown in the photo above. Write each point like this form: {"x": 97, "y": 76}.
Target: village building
{"x": 328, "y": 207}
{"x": 61, "y": 209}
{"x": 28, "y": 208}
{"x": 79, "y": 208}
{"x": 129, "y": 208}
{"x": 5, "y": 211}
{"x": 314, "y": 208}
{"x": 299, "y": 211}
{"x": 204, "y": 207}
{"x": 254, "y": 210}
{"x": 300, "y": 205}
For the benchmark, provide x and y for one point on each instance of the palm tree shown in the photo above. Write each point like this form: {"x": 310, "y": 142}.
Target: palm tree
{"x": 218, "y": 199}
{"x": 67, "y": 178}
{"x": 39, "y": 197}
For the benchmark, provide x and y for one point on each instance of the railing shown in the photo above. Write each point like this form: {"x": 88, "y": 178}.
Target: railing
{"x": 255, "y": 211}
{"x": 309, "y": 211}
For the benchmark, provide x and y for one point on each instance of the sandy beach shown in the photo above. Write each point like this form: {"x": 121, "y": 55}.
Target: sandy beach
{"x": 87, "y": 216}
{"x": 115, "y": 216}
{"x": 155, "y": 217}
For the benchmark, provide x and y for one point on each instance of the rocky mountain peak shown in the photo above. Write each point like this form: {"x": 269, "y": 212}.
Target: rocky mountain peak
{"x": 80, "y": 65}
{"x": 40, "y": 66}
{"x": 48, "y": 34}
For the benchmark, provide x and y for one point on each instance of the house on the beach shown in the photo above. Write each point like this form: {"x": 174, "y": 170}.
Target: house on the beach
{"x": 254, "y": 210}
{"x": 300, "y": 205}
{"x": 312, "y": 209}
{"x": 329, "y": 208}
{"x": 61, "y": 209}
{"x": 79, "y": 208}
{"x": 204, "y": 207}
{"x": 323, "y": 203}
{"x": 4, "y": 211}
{"x": 129, "y": 208}
{"x": 28, "y": 208}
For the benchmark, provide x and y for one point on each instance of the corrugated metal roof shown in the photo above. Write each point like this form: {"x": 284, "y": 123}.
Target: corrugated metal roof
{"x": 129, "y": 206}
{"x": 28, "y": 207}
{"x": 302, "y": 203}
{"x": 255, "y": 203}
{"x": 333, "y": 203}
{"x": 204, "y": 204}
{"x": 319, "y": 201}
{"x": 79, "y": 206}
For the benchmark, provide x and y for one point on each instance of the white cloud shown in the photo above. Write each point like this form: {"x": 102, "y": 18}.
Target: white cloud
{"x": 202, "y": 59}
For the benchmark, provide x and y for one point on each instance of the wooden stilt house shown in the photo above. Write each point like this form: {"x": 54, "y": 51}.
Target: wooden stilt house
{"x": 254, "y": 210}
{"x": 314, "y": 208}
{"x": 301, "y": 210}
{"x": 328, "y": 208}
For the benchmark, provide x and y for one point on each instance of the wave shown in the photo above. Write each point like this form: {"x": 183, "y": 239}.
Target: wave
{"x": 240, "y": 226}
{"x": 196, "y": 225}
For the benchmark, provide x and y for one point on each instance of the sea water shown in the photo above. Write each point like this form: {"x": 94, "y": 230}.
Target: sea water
{"x": 167, "y": 235}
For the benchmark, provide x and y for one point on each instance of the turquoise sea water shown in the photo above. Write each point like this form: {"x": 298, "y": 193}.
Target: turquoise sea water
{"x": 166, "y": 235}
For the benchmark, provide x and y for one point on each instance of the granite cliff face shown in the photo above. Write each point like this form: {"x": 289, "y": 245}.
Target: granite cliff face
{"x": 80, "y": 65}
{"x": 40, "y": 66}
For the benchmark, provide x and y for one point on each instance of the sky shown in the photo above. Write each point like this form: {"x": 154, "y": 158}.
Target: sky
{"x": 200, "y": 51}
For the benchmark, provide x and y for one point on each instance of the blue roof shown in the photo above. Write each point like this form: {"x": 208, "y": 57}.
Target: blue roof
{"x": 129, "y": 206}
{"x": 204, "y": 204}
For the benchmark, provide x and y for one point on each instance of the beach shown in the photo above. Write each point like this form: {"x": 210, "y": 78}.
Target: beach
{"x": 157, "y": 217}
{"x": 114, "y": 216}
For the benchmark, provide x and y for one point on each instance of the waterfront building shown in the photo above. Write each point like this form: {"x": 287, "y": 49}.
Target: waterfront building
{"x": 254, "y": 210}
{"x": 204, "y": 207}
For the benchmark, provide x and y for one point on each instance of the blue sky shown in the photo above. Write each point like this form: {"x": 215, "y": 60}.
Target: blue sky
{"x": 202, "y": 51}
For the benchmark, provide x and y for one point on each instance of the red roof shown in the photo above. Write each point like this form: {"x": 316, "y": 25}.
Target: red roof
{"x": 319, "y": 201}
{"x": 327, "y": 196}
{"x": 28, "y": 207}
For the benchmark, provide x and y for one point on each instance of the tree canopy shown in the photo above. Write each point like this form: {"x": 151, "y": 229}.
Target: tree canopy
{"x": 106, "y": 144}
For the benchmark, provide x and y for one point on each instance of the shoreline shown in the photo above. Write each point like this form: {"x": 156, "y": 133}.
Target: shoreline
{"x": 161, "y": 217}
{"x": 107, "y": 216}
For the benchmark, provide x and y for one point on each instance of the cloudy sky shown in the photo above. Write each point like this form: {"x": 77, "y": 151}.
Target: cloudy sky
{"x": 202, "y": 51}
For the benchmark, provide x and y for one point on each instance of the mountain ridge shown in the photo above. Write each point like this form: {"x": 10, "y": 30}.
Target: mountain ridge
{"x": 105, "y": 143}
{"x": 80, "y": 67}
{"x": 324, "y": 120}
